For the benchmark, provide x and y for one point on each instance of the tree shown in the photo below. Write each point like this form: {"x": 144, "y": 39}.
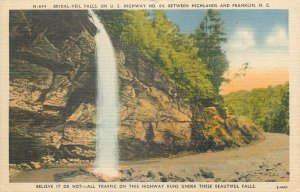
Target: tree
{"x": 159, "y": 41}
{"x": 281, "y": 118}
{"x": 267, "y": 107}
{"x": 178, "y": 55}
{"x": 209, "y": 37}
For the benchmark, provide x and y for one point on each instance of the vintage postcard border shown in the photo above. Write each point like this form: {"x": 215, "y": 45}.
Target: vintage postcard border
{"x": 294, "y": 77}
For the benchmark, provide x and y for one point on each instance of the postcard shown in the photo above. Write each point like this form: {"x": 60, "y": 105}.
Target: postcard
{"x": 150, "y": 96}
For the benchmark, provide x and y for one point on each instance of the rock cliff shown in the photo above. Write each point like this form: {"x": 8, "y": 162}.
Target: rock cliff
{"x": 53, "y": 91}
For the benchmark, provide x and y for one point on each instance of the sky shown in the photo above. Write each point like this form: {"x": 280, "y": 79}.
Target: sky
{"x": 257, "y": 37}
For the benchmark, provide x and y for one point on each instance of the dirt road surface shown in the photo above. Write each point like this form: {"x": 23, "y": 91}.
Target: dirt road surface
{"x": 265, "y": 160}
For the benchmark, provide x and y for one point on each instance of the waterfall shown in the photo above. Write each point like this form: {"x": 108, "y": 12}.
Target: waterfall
{"x": 106, "y": 162}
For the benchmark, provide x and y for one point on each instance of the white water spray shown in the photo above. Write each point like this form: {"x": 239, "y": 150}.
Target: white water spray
{"x": 106, "y": 162}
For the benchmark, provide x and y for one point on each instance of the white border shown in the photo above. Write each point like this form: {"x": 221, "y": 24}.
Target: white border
{"x": 294, "y": 77}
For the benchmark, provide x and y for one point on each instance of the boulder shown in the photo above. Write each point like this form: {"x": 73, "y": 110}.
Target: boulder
{"x": 35, "y": 165}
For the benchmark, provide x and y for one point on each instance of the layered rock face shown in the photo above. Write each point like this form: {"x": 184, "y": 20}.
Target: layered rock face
{"x": 51, "y": 64}
{"x": 53, "y": 95}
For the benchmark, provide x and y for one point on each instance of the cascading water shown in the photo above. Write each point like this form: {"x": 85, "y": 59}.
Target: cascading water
{"x": 106, "y": 162}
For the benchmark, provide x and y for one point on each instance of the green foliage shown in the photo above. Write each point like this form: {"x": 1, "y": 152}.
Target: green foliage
{"x": 267, "y": 107}
{"x": 161, "y": 42}
{"x": 209, "y": 37}
{"x": 114, "y": 22}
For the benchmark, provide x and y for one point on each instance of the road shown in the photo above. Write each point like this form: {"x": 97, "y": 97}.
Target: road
{"x": 265, "y": 160}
